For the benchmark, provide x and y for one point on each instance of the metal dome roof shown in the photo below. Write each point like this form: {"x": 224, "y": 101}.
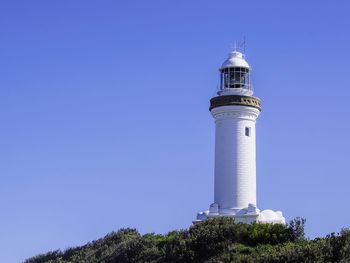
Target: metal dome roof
{"x": 235, "y": 59}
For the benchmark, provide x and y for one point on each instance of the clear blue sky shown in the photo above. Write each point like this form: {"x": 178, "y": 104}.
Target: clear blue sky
{"x": 105, "y": 122}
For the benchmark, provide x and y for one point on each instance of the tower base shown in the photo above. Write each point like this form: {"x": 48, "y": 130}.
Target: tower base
{"x": 246, "y": 215}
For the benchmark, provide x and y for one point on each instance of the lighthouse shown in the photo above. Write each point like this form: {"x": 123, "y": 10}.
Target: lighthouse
{"x": 235, "y": 111}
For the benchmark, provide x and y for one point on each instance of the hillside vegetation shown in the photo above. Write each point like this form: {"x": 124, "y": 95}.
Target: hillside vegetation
{"x": 216, "y": 240}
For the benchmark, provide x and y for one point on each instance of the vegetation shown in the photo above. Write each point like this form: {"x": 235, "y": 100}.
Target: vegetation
{"x": 215, "y": 240}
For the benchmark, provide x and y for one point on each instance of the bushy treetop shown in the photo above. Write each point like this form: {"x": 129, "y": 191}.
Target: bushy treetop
{"x": 215, "y": 240}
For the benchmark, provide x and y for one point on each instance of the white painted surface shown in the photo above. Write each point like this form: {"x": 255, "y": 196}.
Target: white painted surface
{"x": 244, "y": 92}
{"x": 235, "y": 158}
{"x": 235, "y": 59}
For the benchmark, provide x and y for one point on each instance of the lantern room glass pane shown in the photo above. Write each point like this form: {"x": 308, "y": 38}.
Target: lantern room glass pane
{"x": 235, "y": 78}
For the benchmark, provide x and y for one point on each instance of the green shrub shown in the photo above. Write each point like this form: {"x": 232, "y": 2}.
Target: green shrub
{"x": 215, "y": 240}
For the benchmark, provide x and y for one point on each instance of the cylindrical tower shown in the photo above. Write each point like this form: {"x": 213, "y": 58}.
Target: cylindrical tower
{"x": 235, "y": 111}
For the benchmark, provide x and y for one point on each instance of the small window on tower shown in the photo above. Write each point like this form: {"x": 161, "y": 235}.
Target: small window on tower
{"x": 247, "y": 131}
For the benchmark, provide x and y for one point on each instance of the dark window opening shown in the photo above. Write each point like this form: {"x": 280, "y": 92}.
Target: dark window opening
{"x": 247, "y": 131}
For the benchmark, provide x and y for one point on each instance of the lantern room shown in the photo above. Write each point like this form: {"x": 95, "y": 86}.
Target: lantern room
{"x": 235, "y": 75}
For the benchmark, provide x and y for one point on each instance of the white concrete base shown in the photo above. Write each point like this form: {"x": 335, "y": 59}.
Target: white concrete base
{"x": 246, "y": 215}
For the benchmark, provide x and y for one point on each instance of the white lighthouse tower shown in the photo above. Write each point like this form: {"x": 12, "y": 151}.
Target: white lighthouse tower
{"x": 235, "y": 111}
